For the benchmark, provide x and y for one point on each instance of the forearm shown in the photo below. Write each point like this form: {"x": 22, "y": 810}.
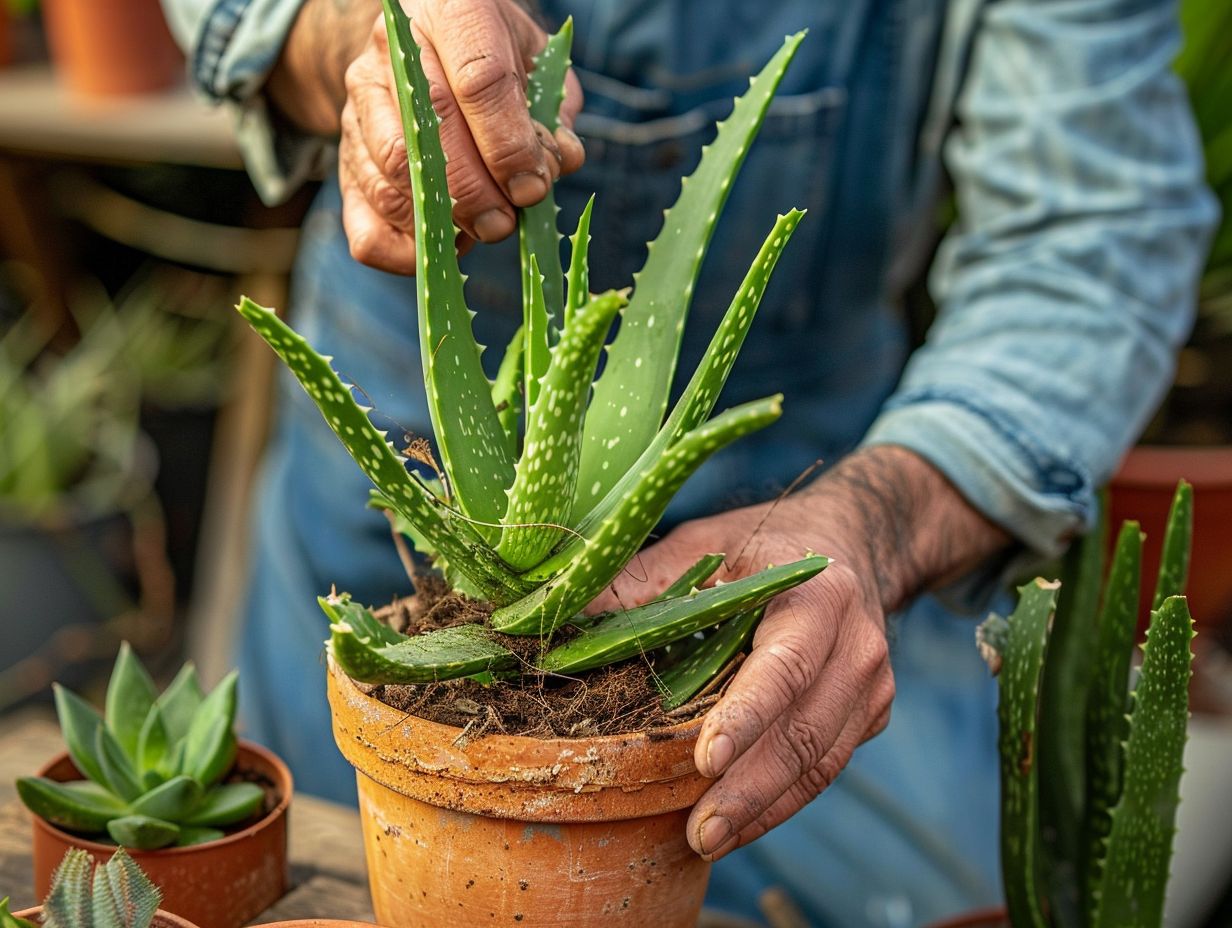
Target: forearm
{"x": 918, "y": 531}
{"x": 308, "y": 83}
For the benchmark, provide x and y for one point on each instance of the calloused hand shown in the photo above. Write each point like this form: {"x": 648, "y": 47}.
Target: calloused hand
{"x": 476, "y": 55}
{"x": 818, "y": 682}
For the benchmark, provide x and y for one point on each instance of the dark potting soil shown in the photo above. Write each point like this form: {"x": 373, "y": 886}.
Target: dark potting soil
{"x": 268, "y": 804}
{"x": 620, "y": 699}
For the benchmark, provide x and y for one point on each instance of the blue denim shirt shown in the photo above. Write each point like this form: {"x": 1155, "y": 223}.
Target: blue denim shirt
{"x": 1066, "y": 285}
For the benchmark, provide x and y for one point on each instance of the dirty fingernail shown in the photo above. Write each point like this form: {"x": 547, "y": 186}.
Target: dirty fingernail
{"x": 719, "y": 754}
{"x": 714, "y": 831}
{"x": 493, "y": 225}
{"x": 526, "y": 189}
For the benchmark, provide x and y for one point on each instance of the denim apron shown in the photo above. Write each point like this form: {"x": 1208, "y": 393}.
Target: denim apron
{"x": 908, "y": 832}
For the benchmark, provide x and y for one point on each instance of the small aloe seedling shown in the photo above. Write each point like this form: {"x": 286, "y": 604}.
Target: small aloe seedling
{"x": 154, "y": 763}
{"x": 551, "y": 480}
{"x": 1090, "y": 770}
{"x": 116, "y": 894}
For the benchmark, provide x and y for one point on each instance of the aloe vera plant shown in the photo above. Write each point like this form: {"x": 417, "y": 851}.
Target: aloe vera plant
{"x": 1090, "y": 769}
{"x": 116, "y": 894}
{"x": 153, "y": 762}
{"x": 551, "y": 480}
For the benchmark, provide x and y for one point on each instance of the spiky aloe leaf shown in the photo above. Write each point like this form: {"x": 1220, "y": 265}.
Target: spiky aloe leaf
{"x": 703, "y": 658}
{"x": 693, "y": 578}
{"x": 456, "y": 579}
{"x": 641, "y": 629}
{"x": 577, "y": 291}
{"x": 507, "y": 389}
{"x": 469, "y": 434}
{"x": 642, "y": 359}
{"x": 535, "y": 325}
{"x": 374, "y": 454}
{"x": 143, "y": 833}
{"x": 1108, "y": 698}
{"x": 538, "y": 237}
{"x": 614, "y": 541}
{"x": 1019, "y": 668}
{"x": 1062, "y": 734}
{"x": 68, "y": 905}
{"x": 1174, "y": 559}
{"x": 339, "y": 608}
{"x": 699, "y": 396}
{"x": 226, "y": 805}
{"x": 79, "y": 806}
{"x": 541, "y": 499}
{"x": 130, "y": 694}
{"x": 124, "y": 897}
{"x": 1139, "y": 847}
{"x": 443, "y": 654}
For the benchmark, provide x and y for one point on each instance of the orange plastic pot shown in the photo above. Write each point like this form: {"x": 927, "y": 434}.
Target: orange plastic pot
{"x": 221, "y": 884}
{"x": 1142, "y": 489}
{"x": 161, "y": 919}
{"x": 104, "y": 48}
{"x": 983, "y": 918}
{"x": 502, "y": 830}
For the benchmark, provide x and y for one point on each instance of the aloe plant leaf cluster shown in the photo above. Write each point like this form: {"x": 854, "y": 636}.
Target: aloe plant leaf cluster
{"x": 116, "y": 894}
{"x": 1090, "y": 766}
{"x": 551, "y": 478}
{"x": 154, "y": 763}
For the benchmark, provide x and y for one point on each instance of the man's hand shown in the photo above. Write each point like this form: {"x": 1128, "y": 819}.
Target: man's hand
{"x": 817, "y": 683}
{"x": 476, "y": 54}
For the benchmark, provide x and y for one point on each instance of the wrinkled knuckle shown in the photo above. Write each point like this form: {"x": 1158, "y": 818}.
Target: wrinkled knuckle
{"x": 442, "y": 99}
{"x": 820, "y": 777}
{"x": 464, "y": 186}
{"x": 788, "y": 666}
{"x": 390, "y": 202}
{"x": 390, "y": 157}
{"x": 355, "y": 75}
{"x": 362, "y": 244}
{"x": 482, "y": 81}
{"x": 801, "y": 747}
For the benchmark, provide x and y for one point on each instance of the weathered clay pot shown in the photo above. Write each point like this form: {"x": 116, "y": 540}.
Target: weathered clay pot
{"x": 318, "y": 923}
{"x": 1142, "y": 489}
{"x": 222, "y": 884}
{"x": 112, "y": 47}
{"x": 983, "y": 918}
{"x": 161, "y": 919}
{"x": 501, "y": 829}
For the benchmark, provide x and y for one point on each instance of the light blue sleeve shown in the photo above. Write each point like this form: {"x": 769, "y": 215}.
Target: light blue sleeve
{"x": 1068, "y": 284}
{"x": 231, "y": 47}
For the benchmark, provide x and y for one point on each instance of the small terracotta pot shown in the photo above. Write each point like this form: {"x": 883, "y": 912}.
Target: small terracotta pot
{"x": 222, "y": 884}
{"x": 982, "y": 918}
{"x": 1142, "y": 489}
{"x": 161, "y": 919}
{"x": 111, "y": 47}
{"x": 318, "y": 923}
{"x": 501, "y": 829}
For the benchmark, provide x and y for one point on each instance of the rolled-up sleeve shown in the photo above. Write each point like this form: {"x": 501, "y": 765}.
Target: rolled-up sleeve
{"x": 231, "y": 47}
{"x": 1068, "y": 284}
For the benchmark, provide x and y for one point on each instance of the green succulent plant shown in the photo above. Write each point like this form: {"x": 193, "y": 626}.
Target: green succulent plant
{"x": 154, "y": 763}
{"x": 1090, "y": 770}
{"x": 550, "y": 480}
{"x": 116, "y": 894}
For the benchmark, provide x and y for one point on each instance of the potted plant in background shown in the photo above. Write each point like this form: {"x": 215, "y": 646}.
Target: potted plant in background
{"x": 164, "y": 775}
{"x": 105, "y": 894}
{"x": 111, "y": 48}
{"x": 527, "y": 522}
{"x": 1090, "y": 766}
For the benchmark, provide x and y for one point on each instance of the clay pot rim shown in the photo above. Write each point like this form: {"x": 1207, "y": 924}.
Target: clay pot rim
{"x": 681, "y": 731}
{"x": 318, "y": 923}
{"x": 284, "y": 784}
{"x": 167, "y": 918}
{"x": 1205, "y": 466}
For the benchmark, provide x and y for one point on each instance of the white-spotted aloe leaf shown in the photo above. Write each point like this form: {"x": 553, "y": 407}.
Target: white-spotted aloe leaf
{"x": 457, "y": 579}
{"x": 577, "y": 290}
{"x": 1178, "y": 537}
{"x": 701, "y": 393}
{"x": 1139, "y": 846}
{"x": 339, "y": 608}
{"x": 1019, "y": 665}
{"x": 641, "y": 629}
{"x": 642, "y": 360}
{"x": 538, "y": 236}
{"x": 702, "y": 658}
{"x": 535, "y": 327}
{"x": 376, "y": 457}
{"x": 468, "y": 432}
{"x": 693, "y": 578}
{"x": 443, "y": 654}
{"x": 507, "y": 389}
{"x": 615, "y": 540}
{"x": 541, "y": 500}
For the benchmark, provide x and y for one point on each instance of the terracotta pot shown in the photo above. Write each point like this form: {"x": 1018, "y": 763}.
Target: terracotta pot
{"x": 1142, "y": 489}
{"x": 111, "y": 47}
{"x": 318, "y": 923}
{"x": 222, "y": 884}
{"x": 161, "y": 919}
{"x": 982, "y": 918}
{"x": 501, "y": 829}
